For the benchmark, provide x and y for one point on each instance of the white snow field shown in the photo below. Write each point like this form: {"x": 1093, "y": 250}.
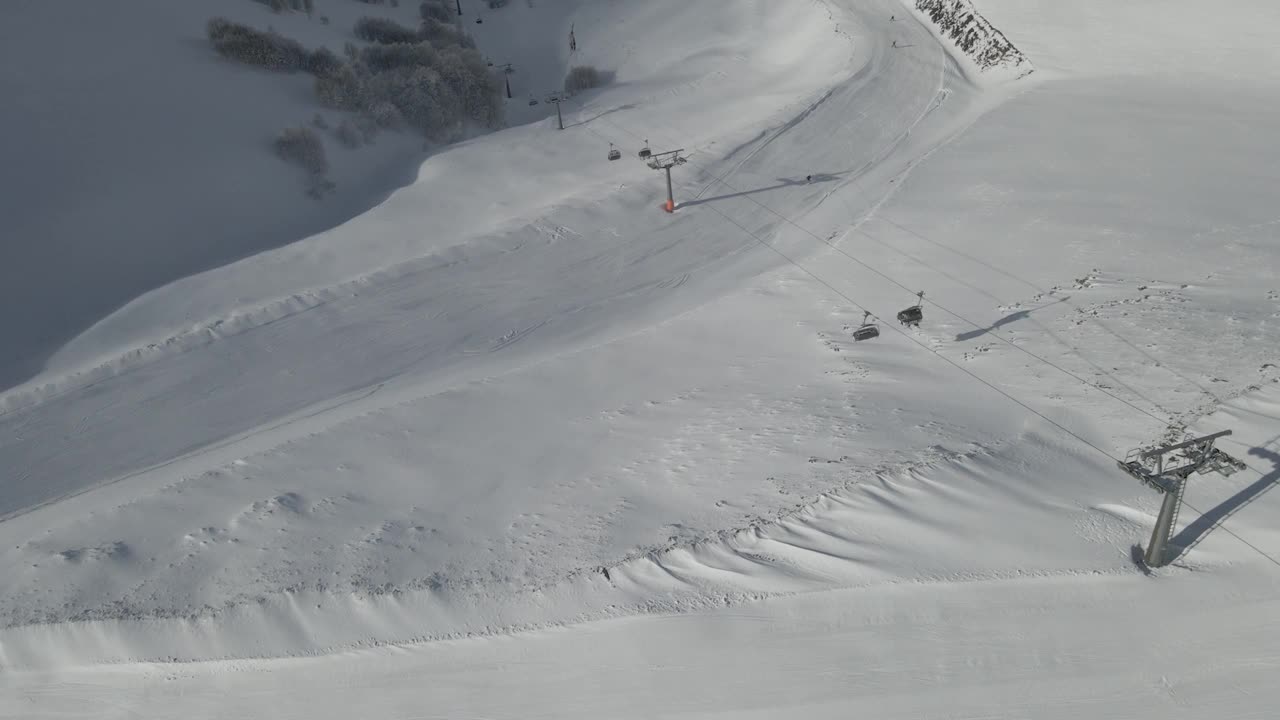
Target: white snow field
{"x": 516, "y": 443}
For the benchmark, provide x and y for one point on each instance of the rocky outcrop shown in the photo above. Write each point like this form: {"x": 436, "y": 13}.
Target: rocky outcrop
{"x": 974, "y": 35}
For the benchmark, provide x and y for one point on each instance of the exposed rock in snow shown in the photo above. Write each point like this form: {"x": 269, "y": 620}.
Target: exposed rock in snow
{"x": 974, "y": 35}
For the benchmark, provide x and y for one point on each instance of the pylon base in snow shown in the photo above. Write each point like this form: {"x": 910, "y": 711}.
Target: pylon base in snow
{"x": 668, "y": 206}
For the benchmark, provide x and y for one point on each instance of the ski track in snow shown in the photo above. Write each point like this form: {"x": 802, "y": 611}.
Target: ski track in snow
{"x": 385, "y": 326}
{"x": 543, "y": 422}
{"x": 354, "y": 322}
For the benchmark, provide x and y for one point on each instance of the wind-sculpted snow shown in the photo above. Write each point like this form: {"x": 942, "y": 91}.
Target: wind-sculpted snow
{"x": 517, "y": 396}
{"x": 878, "y": 523}
{"x": 952, "y": 517}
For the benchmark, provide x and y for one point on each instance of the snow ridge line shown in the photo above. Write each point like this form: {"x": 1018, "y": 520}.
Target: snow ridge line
{"x": 767, "y": 557}
{"x": 974, "y": 35}
{"x": 683, "y": 575}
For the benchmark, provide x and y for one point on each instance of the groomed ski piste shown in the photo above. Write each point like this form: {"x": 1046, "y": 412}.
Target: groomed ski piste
{"x": 517, "y": 443}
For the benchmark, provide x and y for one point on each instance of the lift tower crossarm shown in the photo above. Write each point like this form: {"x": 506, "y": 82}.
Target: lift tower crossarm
{"x": 657, "y": 161}
{"x": 1172, "y": 482}
{"x": 665, "y": 161}
{"x": 1170, "y": 448}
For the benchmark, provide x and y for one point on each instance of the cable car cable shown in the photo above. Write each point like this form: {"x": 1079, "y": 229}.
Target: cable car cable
{"x": 934, "y": 303}
{"x": 949, "y": 361}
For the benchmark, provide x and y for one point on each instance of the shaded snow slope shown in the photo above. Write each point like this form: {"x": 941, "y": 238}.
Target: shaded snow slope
{"x": 426, "y": 427}
{"x": 449, "y": 343}
{"x": 134, "y": 155}
{"x": 743, "y": 70}
{"x": 560, "y": 273}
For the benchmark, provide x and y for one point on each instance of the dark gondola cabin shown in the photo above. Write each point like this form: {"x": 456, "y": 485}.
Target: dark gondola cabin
{"x": 868, "y": 329}
{"x": 914, "y": 314}
{"x": 866, "y": 332}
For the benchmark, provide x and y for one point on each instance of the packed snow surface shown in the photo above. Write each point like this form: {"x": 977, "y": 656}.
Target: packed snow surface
{"x": 516, "y": 443}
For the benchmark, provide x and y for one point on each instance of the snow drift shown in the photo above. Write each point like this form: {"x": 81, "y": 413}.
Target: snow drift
{"x": 552, "y": 402}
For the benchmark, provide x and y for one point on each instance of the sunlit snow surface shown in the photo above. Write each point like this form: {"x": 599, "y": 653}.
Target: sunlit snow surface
{"x": 432, "y": 442}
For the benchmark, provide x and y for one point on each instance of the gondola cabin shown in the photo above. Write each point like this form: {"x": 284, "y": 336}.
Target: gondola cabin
{"x": 914, "y": 314}
{"x": 868, "y": 329}
{"x": 911, "y": 316}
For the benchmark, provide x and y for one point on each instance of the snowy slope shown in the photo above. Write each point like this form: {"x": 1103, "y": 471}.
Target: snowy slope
{"x": 464, "y": 442}
{"x": 466, "y": 314}
{"x": 134, "y": 155}
{"x": 921, "y": 591}
{"x": 1054, "y": 646}
{"x": 362, "y": 361}
{"x": 1038, "y": 647}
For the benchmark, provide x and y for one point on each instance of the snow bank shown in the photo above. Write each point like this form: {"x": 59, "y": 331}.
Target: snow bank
{"x": 1037, "y": 508}
{"x": 887, "y": 524}
{"x": 1053, "y": 648}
